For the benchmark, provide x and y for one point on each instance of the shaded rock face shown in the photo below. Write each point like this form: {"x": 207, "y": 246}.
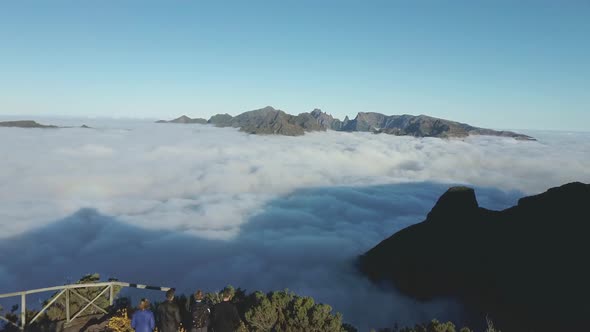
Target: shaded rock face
{"x": 24, "y": 124}
{"x": 527, "y": 266}
{"x": 365, "y": 122}
{"x": 268, "y": 121}
{"x": 221, "y": 120}
{"x": 326, "y": 120}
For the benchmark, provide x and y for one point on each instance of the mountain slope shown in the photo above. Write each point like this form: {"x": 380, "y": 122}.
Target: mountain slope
{"x": 420, "y": 126}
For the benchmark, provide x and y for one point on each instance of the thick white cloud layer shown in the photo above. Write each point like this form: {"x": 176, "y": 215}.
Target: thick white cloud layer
{"x": 199, "y": 206}
{"x": 207, "y": 181}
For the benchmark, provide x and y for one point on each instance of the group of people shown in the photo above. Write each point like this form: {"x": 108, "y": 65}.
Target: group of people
{"x": 222, "y": 317}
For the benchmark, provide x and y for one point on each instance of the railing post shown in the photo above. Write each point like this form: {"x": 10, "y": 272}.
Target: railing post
{"x": 23, "y": 310}
{"x": 67, "y": 306}
{"x": 112, "y": 292}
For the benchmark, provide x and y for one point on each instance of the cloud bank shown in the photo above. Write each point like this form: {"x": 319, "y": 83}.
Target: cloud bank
{"x": 207, "y": 181}
{"x": 198, "y": 206}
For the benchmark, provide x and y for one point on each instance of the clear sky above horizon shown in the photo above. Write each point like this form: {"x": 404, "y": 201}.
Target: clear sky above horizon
{"x": 497, "y": 64}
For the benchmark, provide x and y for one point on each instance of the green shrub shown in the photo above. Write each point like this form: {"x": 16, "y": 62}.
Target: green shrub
{"x": 285, "y": 311}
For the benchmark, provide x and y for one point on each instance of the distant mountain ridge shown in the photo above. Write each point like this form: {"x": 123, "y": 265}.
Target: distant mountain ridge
{"x": 24, "y": 124}
{"x": 269, "y": 120}
{"x": 33, "y": 124}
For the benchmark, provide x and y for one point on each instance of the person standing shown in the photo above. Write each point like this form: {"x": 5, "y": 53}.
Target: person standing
{"x": 168, "y": 314}
{"x": 143, "y": 319}
{"x": 200, "y": 312}
{"x": 225, "y": 315}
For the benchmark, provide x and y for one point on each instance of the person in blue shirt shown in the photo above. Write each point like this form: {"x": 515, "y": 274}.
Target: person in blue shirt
{"x": 143, "y": 319}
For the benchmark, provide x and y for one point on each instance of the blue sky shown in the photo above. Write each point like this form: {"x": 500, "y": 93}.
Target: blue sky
{"x": 498, "y": 64}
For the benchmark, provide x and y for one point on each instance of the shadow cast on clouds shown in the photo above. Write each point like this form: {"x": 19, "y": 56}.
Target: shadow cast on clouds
{"x": 305, "y": 241}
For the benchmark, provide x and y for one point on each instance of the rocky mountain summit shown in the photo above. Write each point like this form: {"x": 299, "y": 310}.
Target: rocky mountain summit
{"x": 269, "y": 120}
{"x": 184, "y": 119}
{"x": 525, "y": 266}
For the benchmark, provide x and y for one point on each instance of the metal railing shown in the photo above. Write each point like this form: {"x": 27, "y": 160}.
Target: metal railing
{"x": 67, "y": 291}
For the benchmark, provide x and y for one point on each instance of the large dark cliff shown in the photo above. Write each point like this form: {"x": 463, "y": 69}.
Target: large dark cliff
{"x": 526, "y": 266}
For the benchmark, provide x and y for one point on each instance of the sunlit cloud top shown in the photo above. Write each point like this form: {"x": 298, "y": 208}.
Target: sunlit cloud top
{"x": 207, "y": 181}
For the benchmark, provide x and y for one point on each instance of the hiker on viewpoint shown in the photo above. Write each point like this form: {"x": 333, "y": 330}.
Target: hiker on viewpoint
{"x": 143, "y": 319}
{"x": 199, "y": 313}
{"x": 225, "y": 315}
{"x": 168, "y": 314}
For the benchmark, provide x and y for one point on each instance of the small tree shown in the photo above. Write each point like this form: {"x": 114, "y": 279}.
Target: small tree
{"x": 264, "y": 315}
{"x": 436, "y": 326}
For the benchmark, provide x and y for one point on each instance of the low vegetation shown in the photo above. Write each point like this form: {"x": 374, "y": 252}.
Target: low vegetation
{"x": 260, "y": 312}
{"x": 436, "y": 326}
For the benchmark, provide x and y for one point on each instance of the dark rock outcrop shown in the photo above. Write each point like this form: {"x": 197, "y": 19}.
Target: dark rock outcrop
{"x": 24, "y": 124}
{"x": 526, "y": 266}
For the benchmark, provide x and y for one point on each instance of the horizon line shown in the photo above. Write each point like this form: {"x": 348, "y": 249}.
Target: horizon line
{"x": 31, "y": 117}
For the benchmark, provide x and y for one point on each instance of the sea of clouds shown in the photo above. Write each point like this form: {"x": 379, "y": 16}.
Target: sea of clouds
{"x": 193, "y": 206}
